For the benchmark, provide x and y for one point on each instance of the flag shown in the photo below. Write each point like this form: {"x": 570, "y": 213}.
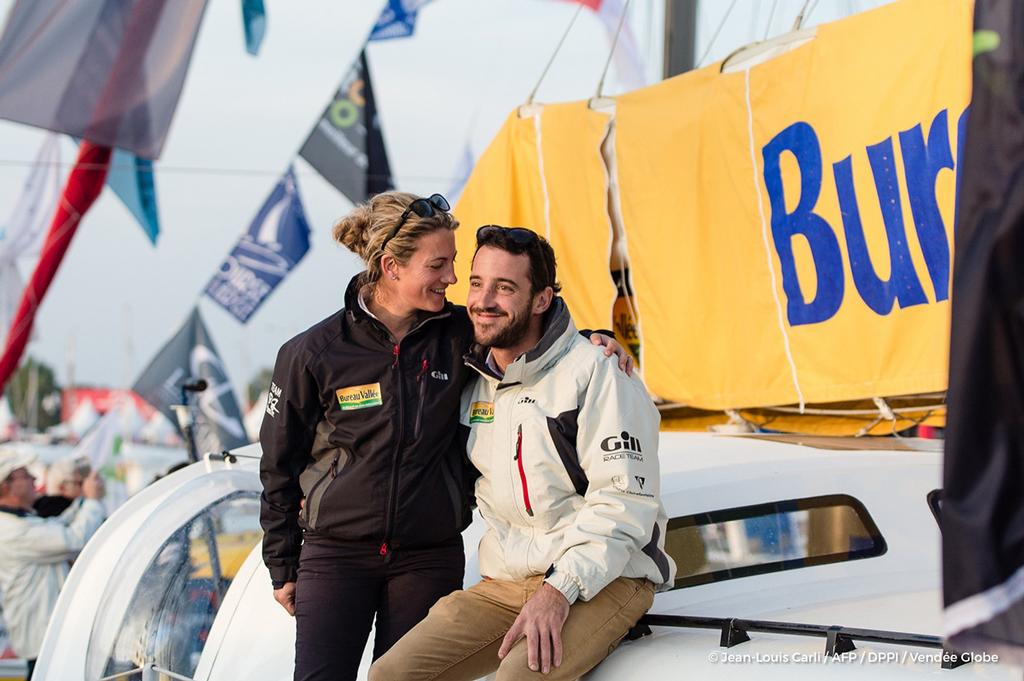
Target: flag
{"x": 347, "y": 146}
{"x": 629, "y": 64}
{"x": 25, "y": 230}
{"x": 276, "y": 241}
{"x": 83, "y": 187}
{"x": 254, "y": 18}
{"x": 131, "y": 179}
{"x": 397, "y": 20}
{"x": 109, "y": 71}
{"x": 982, "y": 510}
{"x": 189, "y": 355}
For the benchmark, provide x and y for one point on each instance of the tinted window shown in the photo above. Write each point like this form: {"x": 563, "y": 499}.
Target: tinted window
{"x": 783, "y": 535}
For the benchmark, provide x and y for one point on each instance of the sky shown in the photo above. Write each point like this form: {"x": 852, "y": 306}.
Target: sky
{"x": 241, "y": 120}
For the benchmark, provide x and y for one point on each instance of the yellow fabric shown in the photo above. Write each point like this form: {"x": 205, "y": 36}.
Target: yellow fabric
{"x": 508, "y": 186}
{"x": 709, "y": 323}
{"x": 699, "y": 420}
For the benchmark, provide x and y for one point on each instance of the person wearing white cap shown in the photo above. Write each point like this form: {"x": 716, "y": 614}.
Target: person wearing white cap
{"x": 35, "y": 551}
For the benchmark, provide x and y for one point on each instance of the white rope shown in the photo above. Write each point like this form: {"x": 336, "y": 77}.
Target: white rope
{"x": 611, "y": 52}
{"x": 533, "y": 93}
{"x": 767, "y": 250}
{"x": 543, "y": 177}
{"x": 714, "y": 37}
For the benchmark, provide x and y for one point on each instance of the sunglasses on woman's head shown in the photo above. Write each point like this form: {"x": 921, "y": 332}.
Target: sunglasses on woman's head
{"x": 425, "y": 208}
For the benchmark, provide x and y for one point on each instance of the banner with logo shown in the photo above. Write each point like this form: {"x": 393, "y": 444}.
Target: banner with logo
{"x": 347, "y": 146}
{"x": 188, "y": 356}
{"x": 397, "y": 19}
{"x": 788, "y": 227}
{"x": 276, "y": 241}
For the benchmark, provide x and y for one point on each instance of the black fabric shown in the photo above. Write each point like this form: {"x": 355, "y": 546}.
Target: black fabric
{"x": 982, "y": 507}
{"x": 50, "y": 506}
{"x": 20, "y": 512}
{"x": 340, "y": 592}
{"x": 31, "y": 664}
{"x": 563, "y": 430}
{"x": 376, "y": 474}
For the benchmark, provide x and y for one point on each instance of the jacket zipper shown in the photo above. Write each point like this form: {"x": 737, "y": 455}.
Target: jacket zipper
{"x": 396, "y": 459}
{"x": 424, "y": 368}
{"x": 522, "y": 472}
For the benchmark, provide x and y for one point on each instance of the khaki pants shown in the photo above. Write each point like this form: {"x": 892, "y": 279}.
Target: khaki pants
{"x": 460, "y": 638}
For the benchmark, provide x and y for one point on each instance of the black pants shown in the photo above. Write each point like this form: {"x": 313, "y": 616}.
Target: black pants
{"x": 339, "y": 590}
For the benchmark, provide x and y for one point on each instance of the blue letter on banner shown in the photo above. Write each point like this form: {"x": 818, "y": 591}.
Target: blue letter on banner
{"x": 800, "y": 139}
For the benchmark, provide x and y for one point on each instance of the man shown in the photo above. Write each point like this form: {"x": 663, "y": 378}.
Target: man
{"x": 566, "y": 445}
{"x": 36, "y": 551}
{"x": 64, "y": 481}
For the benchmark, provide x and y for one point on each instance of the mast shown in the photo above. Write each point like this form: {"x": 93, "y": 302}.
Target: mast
{"x": 680, "y": 36}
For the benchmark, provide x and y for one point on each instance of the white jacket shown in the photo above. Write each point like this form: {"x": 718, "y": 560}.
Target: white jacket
{"x": 567, "y": 448}
{"x": 34, "y": 555}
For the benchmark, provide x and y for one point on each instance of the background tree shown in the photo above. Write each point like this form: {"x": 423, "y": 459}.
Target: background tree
{"x": 34, "y": 395}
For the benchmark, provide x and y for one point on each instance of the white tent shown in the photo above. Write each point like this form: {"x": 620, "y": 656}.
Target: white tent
{"x": 159, "y": 431}
{"x": 83, "y": 418}
{"x": 254, "y": 417}
{"x": 130, "y": 420}
{"x": 8, "y": 425}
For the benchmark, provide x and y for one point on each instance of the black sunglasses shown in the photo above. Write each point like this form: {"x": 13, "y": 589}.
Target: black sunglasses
{"x": 425, "y": 208}
{"x": 520, "y": 236}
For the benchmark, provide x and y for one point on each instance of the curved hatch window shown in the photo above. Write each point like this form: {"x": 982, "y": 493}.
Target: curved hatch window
{"x": 782, "y": 535}
{"x": 176, "y": 600}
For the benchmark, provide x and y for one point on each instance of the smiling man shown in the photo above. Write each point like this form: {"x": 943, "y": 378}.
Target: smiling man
{"x": 566, "y": 446}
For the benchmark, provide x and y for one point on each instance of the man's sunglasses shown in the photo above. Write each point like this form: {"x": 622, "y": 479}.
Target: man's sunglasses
{"x": 520, "y": 236}
{"x": 425, "y": 208}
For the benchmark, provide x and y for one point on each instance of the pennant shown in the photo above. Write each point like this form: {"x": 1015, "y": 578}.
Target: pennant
{"x": 397, "y": 20}
{"x": 347, "y": 146}
{"x": 190, "y": 355}
{"x": 276, "y": 241}
{"x": 131, "y": 179}
{"x": 83, "y": 187}
{"x": 982, "y": 510}
{"x": 110, "y": 71}
{"x": 23, "y": 234}
{"x": 254, "y": 19}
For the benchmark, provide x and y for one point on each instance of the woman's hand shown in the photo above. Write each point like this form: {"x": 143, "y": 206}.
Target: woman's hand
{"x": 612, "y": 347}
{"x": 286, "y": 597}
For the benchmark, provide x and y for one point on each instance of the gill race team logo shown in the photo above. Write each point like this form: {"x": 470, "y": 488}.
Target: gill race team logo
{"x": 481, "y": 412}
{"x": 359, "y": 396}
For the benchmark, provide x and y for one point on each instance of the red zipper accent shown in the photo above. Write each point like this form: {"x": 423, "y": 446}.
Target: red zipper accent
{"x": 384, "y": 549}
{"x": 423, "y": 369}
{"x": 522, "y": 473}
{"x": 394, "y": 353}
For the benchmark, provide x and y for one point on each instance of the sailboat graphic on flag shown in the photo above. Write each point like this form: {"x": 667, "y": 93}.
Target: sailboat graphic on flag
{"x": 275, "y": 242}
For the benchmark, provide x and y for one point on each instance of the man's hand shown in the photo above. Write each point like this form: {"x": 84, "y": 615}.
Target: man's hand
{"x": 612, "y": 347}
{"x": 540, "y": 621}
{"x": 92, "y": 487}
{"x": 286, "y": 597}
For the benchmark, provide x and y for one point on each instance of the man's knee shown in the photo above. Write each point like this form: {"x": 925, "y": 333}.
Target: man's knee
{"x": 386, "y": 668}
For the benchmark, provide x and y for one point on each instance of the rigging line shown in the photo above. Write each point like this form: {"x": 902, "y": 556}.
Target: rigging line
{"x": 771, "y": 16}
{"x": 714, "y": 37}
{"x": 767, "y": 249}
{"x": 533, "y": 93}
{"x": 611, "y": 52}
{"x": 804, "y": 14}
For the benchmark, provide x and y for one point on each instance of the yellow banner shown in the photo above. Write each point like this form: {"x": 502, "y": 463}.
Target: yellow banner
{"x": 790, "y": 226}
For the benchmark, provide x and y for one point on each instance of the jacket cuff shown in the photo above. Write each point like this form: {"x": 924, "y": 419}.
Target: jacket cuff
{"x": 565, "y": 584}
{"x": 282, "y": 574}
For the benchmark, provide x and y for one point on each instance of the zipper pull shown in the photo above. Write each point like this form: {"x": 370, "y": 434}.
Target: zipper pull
{"x": 334, "y": 468}
{"x": 384, "y": 549}
{"x": 423, "y": 369}
{"x": 394, "y": 353}
{"x": 519, "y": 444}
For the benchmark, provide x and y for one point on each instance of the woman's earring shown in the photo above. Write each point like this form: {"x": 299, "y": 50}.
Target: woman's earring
{"x": 395, "y": 277}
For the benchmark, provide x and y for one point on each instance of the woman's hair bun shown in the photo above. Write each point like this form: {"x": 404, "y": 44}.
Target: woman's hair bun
{"x": 354, "y": 230}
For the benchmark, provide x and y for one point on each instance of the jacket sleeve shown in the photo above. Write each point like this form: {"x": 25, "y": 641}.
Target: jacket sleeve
{"x": 55, "y": 540}
{"x": 617, "y": 445}
{"x": 286, "y": 436}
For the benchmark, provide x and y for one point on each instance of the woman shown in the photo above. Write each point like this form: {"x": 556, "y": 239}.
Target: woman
{"x": 362, "y": 470}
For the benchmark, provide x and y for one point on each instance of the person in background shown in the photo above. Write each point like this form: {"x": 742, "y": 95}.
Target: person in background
{"x": 363, "y": 475}
{"x": 36, "y": 551}
{"x": 63, "y": 485}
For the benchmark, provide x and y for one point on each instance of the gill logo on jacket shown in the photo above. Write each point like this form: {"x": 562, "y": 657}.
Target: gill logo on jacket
{"x": 481, "y": 412}
{"x": 359, "y": 396}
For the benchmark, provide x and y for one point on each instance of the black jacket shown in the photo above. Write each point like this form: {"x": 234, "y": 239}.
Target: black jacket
{"x": 366, "y": 431}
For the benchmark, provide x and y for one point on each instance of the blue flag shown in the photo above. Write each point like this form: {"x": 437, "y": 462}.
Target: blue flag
{"x": 131, "y": 178}
{"x": 254, "y": 18}
{"x": 397, "y": 19}
{"x": 276, "y": 241}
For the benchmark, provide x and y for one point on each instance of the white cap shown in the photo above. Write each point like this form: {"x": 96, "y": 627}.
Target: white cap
{"x": 11, "y": 460}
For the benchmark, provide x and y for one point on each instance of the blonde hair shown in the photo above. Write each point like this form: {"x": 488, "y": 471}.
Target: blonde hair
{"x": 369, "y": 230}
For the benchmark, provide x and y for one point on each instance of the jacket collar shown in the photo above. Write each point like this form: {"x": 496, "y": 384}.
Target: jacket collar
{"x": 20, "y": 512}
{"x": 558, "y": 336}
{"x": 357, "y": 314}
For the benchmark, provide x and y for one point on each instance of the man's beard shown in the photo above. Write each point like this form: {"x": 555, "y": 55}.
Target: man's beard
{"x": 514, "y": 331}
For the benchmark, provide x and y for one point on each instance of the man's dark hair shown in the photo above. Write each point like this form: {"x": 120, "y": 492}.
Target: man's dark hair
{"x": 543, "y": 269}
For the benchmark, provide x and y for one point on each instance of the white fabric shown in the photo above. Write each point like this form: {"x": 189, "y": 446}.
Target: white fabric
{"x": 13, "y": 459}
{"x": 618, "y": 528}
{"x": 34, "y": 565}
{"x": 83, "y": 418}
